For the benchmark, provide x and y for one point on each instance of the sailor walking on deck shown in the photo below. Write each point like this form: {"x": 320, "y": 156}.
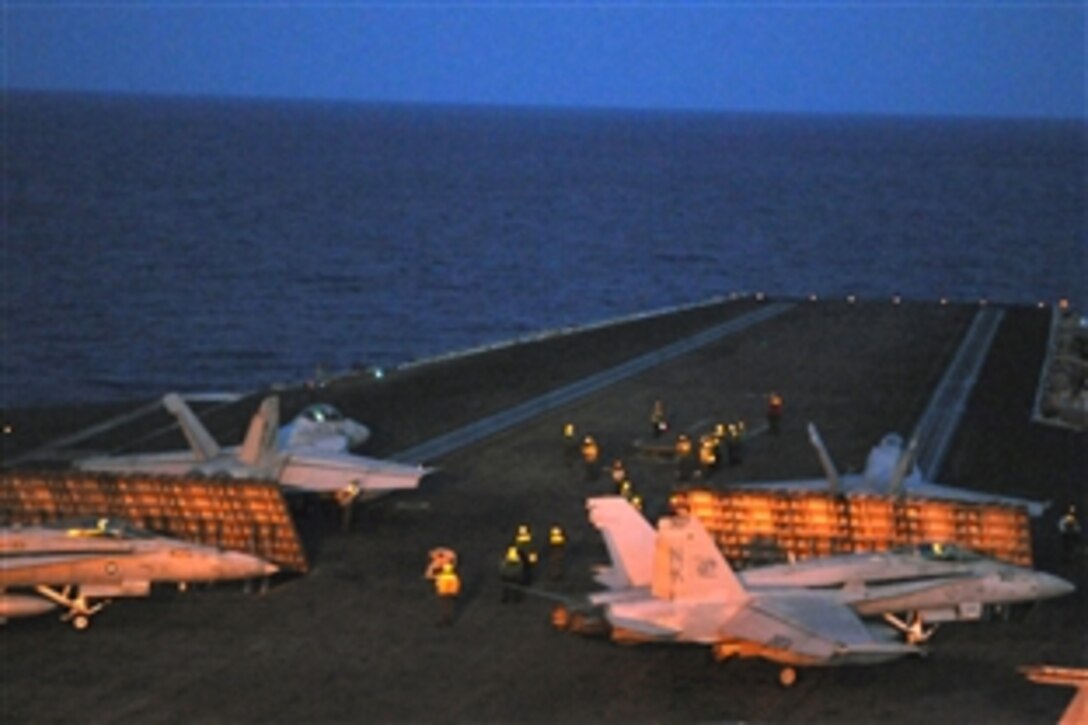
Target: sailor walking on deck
{"x": 512, "y": 575}
{"x": 1069, "y": 531}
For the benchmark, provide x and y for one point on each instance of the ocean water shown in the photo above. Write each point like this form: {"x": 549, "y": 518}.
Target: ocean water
{"x": 154, "y": 244}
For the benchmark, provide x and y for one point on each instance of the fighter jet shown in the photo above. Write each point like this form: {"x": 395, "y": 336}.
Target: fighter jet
{"x": 674, "y": 585}
{"x": 314, "y": 469}
{"x": 80, "y": 567}
{"x": 889, "y": 469}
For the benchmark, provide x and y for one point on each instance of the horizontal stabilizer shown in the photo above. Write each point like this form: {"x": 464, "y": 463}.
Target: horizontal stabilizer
{"x": 333, "y": 472}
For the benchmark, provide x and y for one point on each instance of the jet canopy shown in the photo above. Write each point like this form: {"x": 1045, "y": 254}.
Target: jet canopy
{"x": 321, "y": 413}
{"x": 940, "y": 551}
{"x": 102, "y": 527}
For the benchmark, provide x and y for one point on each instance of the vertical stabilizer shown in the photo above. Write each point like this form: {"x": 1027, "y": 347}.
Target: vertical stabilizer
{"x": 628, "y": 536}
{"x": 902, "y": 467}
{"x": 832, "y": 473}
{"x": 261, "y": 438}
{"x": 688, "y": 565}
{"x": 200, "y": 440}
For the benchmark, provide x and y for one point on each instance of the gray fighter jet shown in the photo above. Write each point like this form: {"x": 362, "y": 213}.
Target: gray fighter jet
{"x": 309, "y": 468}
{"x": 889, "y": 469}
{"x": 79, "y": 568}
{"x": 673, "y": 585}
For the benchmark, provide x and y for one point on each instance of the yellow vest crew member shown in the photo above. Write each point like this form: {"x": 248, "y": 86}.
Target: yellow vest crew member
{"x": 685, "y": 462}
{"x": 557, "y": 546}
{"x": 512, "y": 575}
{"x": 447, "y": 585}
{"x": 523, "y": 542}
{"x": 708, "y": 454}
{"x": 570, "y": 444}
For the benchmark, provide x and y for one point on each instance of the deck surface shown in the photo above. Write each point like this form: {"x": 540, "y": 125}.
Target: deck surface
{"x": 357, "y": 638}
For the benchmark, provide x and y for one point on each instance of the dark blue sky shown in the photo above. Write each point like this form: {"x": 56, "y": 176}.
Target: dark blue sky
{"x": 961, "y": 58}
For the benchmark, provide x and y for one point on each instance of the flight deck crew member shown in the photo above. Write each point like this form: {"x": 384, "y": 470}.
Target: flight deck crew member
{"x": 708, "y": 454}
{"x": 557, "y": 549}
{"x": 591, "y": 456}
{"x": 512, "y": 575}
{"x": 685, "y": 461}
{"x": 1069, "y": 531}
{"x": 618, "y": 472}
{"x": 659, "y": 421}
{"x": 523, "y": 542}
{"x": 774, "y": 412}
{"x": 447, "y": 585}
{"x": 570, "y": 444}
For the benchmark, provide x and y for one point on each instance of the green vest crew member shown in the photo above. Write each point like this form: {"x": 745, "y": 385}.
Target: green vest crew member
{"x": 447, "y": 585}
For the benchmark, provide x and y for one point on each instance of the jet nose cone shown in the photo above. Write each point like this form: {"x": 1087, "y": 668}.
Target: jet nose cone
{"x": 1054, "y": 586}
{"x": 244, "y": 566}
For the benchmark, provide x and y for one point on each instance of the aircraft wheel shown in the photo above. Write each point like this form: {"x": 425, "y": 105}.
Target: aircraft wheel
{"x": 81, "y": 622}
{"x": 787, "y": 677}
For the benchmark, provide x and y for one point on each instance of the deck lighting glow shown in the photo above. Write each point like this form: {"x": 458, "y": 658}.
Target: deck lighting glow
{"x": 812, "y": 298}
{"x": 760, "y": 296}
{"x": 896, "y": 299}
{"x": 852, "y": 299}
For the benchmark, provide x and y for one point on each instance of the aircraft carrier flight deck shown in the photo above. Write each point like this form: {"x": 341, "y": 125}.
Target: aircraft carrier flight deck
{"x": 356, "y": 638}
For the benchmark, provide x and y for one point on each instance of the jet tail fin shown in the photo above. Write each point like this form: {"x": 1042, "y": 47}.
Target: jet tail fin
{"x": 629, "y": 538}
{"x": 200, "y": 440}
{"x": 689, "y": 565}
{"x": 261, "y": 438}
{"x": 830, "y": 471}
{"x": 902, "y": 468}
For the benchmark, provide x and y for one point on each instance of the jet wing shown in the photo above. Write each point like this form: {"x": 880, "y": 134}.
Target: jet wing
{"x": 326, "y": 472}
{"x": 176, "y": 463}
{"x": 800, "y": 484}
{"x": 812, "y": 628}
{"x": 936, "y": 490}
